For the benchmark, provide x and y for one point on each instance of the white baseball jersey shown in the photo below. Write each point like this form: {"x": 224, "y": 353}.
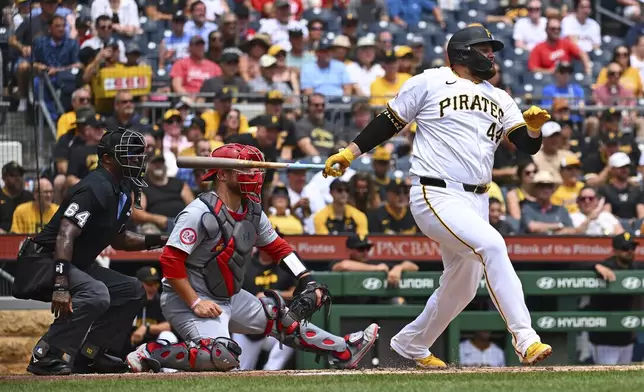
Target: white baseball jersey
{"x": 470, "y": 355}
{"x": 190, "y": 236}
{"x": 460, "y": 124}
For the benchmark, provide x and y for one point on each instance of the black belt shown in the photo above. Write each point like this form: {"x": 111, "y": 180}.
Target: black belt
{"x": 437, "y": 182}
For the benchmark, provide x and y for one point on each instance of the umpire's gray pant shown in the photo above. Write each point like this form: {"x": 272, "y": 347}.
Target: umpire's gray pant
{"x": 104, "y": 302}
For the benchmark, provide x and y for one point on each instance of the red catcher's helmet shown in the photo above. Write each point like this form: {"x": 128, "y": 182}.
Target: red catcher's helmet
{"x": 250, "y": 180}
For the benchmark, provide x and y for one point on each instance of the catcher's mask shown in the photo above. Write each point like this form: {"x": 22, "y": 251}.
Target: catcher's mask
{"x": 127, "y": 147}
{"x": 460, "y": 50}
{"x": 250, "y": 180}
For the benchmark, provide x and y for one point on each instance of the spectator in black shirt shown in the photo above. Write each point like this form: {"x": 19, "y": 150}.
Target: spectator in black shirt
{"x": 506, "y": 160}
{"x": 83, "y": 156}
{"x": 595, "y": 162}
{"x": 13, "y": 193}
{"x": 229, "y": 78}
{"x": 149, "y": 325}
{"x": 495, "y": 214}
{"x": 394, "y": 217}
{"x": 381, "y": 165}
{"x": 274, "y": 106}
{"x": 164, "y": 9}
{"x": 624, "y": 200}
{"x": 615, "y": 348}
{"x": 22, "y": 40}
{"x": 162, "y": 200}
{"x": 312, "y": 135}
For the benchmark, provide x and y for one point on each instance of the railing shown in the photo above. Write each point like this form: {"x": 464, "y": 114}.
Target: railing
{"x": 605, "y": 12}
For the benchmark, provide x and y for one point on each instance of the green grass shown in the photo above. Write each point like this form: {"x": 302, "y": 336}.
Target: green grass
{"x": 599, "y": 381}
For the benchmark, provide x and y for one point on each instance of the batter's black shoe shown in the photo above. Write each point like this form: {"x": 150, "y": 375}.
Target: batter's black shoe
{"x": 102, "y": 363}
{"x": 49, "y": 365}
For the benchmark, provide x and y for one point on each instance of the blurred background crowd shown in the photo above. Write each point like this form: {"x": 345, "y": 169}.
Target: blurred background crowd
{"x": 299, "y": 79}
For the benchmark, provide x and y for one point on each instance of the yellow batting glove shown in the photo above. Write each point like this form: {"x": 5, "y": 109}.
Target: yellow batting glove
{"x": 336, "y": 164}
{"x": 535, "y": 117}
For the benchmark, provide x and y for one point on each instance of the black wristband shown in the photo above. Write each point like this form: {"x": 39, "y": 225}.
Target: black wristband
{"x": 154, "y": 241}
{"x": 303, "y": 281}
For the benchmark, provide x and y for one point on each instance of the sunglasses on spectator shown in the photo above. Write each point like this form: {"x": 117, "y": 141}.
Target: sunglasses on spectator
{"x": 614, "y": 73}
{"x": 126, "y": 101}
{"x": 318, "y": 105}
{"x": 83, "y": 99}
{"x": 554, "y": 28}
{"x": 534, "y": 9}
{"x": 173, "y": 121}
{"x": 621, "y": 54}
{"x": 530, "y": 172}
{"x": 586, "y": 198}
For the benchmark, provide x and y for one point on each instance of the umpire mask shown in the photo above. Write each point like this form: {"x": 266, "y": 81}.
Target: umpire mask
{"x": 127, "y": 147}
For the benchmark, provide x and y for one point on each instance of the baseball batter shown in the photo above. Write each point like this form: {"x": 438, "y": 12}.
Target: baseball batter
{"x": 461, "y": 120}
{"x": 204, "y": 264}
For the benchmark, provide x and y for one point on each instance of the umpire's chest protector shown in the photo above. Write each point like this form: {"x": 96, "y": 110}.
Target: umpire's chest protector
{"x": 224, "y": 271}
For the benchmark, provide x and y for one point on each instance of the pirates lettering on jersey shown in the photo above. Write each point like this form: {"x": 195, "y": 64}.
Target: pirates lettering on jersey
{"x": 468, "y": 102}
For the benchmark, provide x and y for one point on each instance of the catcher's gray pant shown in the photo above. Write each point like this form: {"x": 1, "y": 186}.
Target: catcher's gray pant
{"x": 612, "y": 355}
{"x": 243, "y": 313}
{"x": 104, "y": 302}
{"x": 277, "y": 357}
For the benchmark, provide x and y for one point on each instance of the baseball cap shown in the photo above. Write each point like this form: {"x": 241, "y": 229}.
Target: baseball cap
{"x": 171, "y": 113}
{"x": 148, "y": 274}
{"x": 610, "y": 138}
{"x": 381, "y": 154}
{"x": 111, "y": 42}
{"x": 395, "y": 184}
{"x": 295, "y": 32}
{"x": 230, "y": 55}
{"x": 416, "y": 41}
{"x": 268, "y": 121}
{"x": 349, "y": 19}
{"x": 338, "y": 183}
{"x": 619, "y": 159}
{"x": 280, "y": 190}
{"x": 274, "y": 50}
{"x": 274, "y": 96}
{"x": 611, "y": 114}
{"x": 390, "y": 57}
{"x": 157, "y": 157}
{"x": 197, "y": 39}
{"x": 570, "y": 161}
{"x": 83, "y": 22}
{"x": 564, "y": 66}
{"x": 550, "y": 128}
{"x": 403, "y": 51}
{"x": 179, "y": 17}
{"x": 544, "y": 177}
{"x": 199, "y": 123}
{"x": 282, "y": 3}
{"x": 324, "y": 44}
{"x": 12, "y": 167}
{"x": 366, "y": 41}
{"x": 267, "y": 61}
{"x": 341, "y": 41}
{"x": 88, "y": 116}
{"x": 224, "y": 93}
{"x": 355, "y": 242}
{"x": 625, "y": 241}
{"x": 132, "y": 47}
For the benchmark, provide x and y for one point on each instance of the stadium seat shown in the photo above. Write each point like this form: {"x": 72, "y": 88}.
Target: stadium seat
{"x": 318, "y": 13}
{"x": 362, "y": 164}
{"x": 403, "y": 164}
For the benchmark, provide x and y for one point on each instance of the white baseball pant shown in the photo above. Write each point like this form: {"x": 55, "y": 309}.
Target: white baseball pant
{"x": 612, "y": 355}
{"x": 277, "y": 357}
{"x": 471, "y": 249}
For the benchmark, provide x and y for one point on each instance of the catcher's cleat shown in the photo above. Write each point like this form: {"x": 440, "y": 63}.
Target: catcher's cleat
{"x": 537, "y": 352}
{"x": 430, "y": 362}
{"x": 358, "y": 344}
{"x": 138, "y": 362}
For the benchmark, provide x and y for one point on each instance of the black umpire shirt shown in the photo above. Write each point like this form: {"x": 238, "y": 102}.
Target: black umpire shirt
{"x": 93, "y": 206}
{"x": 612, "y": 303}
{"x": 8, "y": 206}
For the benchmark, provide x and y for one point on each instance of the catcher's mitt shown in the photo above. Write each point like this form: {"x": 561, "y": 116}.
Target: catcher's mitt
{"x": 304, "y": 304}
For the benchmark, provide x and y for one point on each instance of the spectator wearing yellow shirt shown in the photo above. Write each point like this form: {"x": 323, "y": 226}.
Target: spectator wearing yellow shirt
{"x": 339, "y": 217}
{"x": 67, "y": 122}
{"x": 630, "y": 77}
{"x": 386, "y": 87}
{"x": 223, "y": 104}
{"x": 567, "y": 193}
{"x": 31, "y": 217}
{"x": 280, "y": 213}
{"x": 195, "y": 133}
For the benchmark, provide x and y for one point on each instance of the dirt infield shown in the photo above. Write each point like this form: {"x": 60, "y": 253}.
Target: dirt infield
{"x": 309, "y": 373}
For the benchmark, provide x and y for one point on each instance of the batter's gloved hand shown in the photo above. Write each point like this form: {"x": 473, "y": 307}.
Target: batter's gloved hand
{"x": 535, "y": 117}
{"x": 336, "y": 164}
{"x": 311, "y": 299}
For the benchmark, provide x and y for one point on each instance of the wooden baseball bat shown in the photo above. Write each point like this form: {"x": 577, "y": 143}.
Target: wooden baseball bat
{"x": 229, "y": 163}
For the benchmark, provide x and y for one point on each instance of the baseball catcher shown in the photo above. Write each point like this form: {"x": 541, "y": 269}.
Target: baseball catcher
{"x": 204, "y": 264}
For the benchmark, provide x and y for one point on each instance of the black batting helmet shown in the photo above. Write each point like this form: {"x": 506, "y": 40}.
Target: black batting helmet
{"x": 127, "y": 147}
{"x": 460, "y": 50}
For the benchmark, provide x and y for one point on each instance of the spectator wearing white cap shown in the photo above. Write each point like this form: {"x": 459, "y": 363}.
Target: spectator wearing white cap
{"x": 551, "y": 155}
{"x": 540, "y": 216}
{"x": 265, "y": 82}
{"x": 623, "y": 199}
{"x": 364, "y": 71}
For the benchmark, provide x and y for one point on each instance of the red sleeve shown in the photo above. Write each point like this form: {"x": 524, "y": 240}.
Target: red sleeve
{"x": 573, "y": 49}
{"x": 534, "y": 60}
{"x": 278, "y": 249}
{"x": 300, "y": 9}
{"x": 258, "y": 4}
{"x": 178, "y": 70}
{"x": 173, "y": 263}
